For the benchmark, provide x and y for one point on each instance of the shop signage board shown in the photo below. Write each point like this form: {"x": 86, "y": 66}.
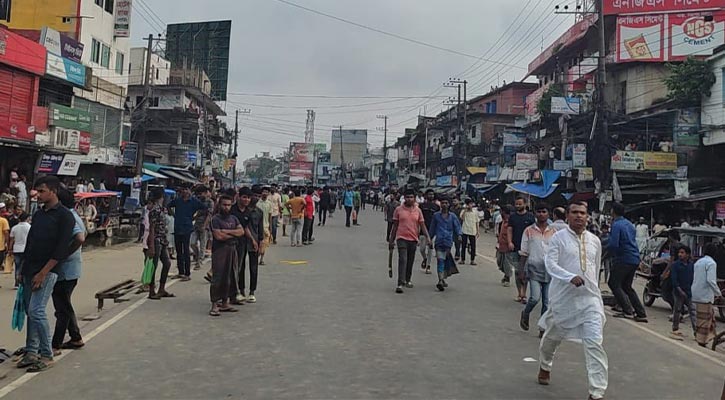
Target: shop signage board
{"x": 720, "y": 209}
{"x": 526, "y": 161}
{"x": 668, "y": 37}
{"x": 447, "y": 180}
{"x": 70, "y": 118}
{"x": 447, "y": 153}
{"x": 514, "y": 139}
{"x": 686, "y": 128}
{"x": 579, "y": 155}
{"x": 60, "y": 164}
{"x": 17, "y": 131}
{"x": 66, "y": 69}
{"x": 562, "y": 165}
{"x": 22, "y": 53}
{"x": 122, "y": 19}
{"x": 492, "y": 173}
{"x": 61, "y": 45}
{"x": 644, "y": 161}
{"x": 130, "y": 152}
{"x": 616, "y": 7}
{"x": 565, "y": 105}
{"x": 586, "y": 174}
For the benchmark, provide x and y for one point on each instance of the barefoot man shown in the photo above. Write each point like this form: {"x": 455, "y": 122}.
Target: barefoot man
{"x": 576, "y": 311}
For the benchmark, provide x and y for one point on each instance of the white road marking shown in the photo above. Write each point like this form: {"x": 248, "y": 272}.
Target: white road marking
{"x": 5, "y": 390}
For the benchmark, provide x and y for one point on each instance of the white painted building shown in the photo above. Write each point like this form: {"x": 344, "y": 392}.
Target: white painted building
{"x": 160, "y": 68}
{"x": 109, "y": 57}
{"x": 713, "y": 107}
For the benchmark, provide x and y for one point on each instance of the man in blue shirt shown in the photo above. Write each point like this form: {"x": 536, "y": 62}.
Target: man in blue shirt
{"x": 184, "y": 207}
{"x": 347, "y": 196}
{"x": 443, "y": 228}
{"x": 623, "y": 248}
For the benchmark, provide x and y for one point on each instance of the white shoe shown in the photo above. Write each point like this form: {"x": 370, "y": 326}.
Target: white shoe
{"x": 251, "y": 299}
{"x": 241, "y": 298}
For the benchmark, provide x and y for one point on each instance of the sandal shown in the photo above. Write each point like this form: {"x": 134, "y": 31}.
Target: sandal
{"x": 40, "y": 365}
{"x": 228, "y": 309}
{"x": 165, "y": 294}
{"x": 214, "y": 313}
{"x": 207, "y": 278}
{"x": 154, "y": 297}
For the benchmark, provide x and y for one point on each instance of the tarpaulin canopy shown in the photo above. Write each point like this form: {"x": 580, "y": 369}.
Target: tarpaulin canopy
{"x": 533, "y": 189}
{"x": 129, "y": 181}
{"x": 477, "y": 170}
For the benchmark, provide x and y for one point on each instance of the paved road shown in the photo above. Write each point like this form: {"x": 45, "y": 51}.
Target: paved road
{"x": 334, "y": 328}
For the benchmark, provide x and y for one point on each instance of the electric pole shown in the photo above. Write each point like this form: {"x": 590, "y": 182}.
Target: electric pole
{"x": 384, "y": 173}
{"x": 141, "y": 133}
{"x": 342, "y": 158}
{"x": 463, "y": 128}
{"x": 235, "y": 154}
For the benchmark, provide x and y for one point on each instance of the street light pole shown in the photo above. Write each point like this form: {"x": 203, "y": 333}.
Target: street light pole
{"x": 384, "y": 173}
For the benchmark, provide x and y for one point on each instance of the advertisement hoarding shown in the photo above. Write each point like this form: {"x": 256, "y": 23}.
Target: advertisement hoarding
{"x": 615, "y": 7}
{"x": 302, "y": 152}
{"x": 644, "y": 161}
{"x": 526, "y": 161}
{"x": 70, "y": 118}
{"x": 447, "y": 153}
{"x": 579, "y": 155}
{"x": 122, "y": 19}
{"x": 60, "y": 164}
{"x": 66, "y": 69}
{"x": 61, "y": 45}
{"x": 17, "y": 131}
{"x": 565, "y": 105}
{"x": 668, "y": 37}
{"x": 84, "y": 143}
{"x": 415, "y": 154}
{"x": 300, "y": 170}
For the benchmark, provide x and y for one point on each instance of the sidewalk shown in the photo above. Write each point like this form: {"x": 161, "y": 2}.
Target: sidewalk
{"x": 102, "y": 267}
{"x": 658, "y": 314}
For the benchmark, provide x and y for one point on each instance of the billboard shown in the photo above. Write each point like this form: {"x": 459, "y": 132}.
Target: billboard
{"x": 300, "y": 170}
{"x": 614, "y": 7}
{"x": 644, "y": 161}
{"x": 302, "y": 152}
{"x": 65, "y": 69}
{"x": 565, "y": 105}
{"x": 668, "y": 37}
{"x": 205, "y": 44}
{"x": 527, "y": 161}
{"x": 61, "y": 45}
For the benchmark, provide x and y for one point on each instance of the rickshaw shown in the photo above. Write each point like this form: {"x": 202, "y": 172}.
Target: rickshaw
{"x": 107, "y": 218}
{"x": 655, "y": 258}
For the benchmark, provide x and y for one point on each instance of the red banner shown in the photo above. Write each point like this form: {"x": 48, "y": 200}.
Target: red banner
{"x": 22, "y": 53}
{"x": 300, "y": 169}
{"x": 17, "y": 131}
{"x": 614, "y": 7}
{"x": 84, "y": 142}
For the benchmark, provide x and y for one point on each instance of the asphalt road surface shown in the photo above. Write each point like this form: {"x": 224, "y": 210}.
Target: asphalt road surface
{"x": 333, "y": 327}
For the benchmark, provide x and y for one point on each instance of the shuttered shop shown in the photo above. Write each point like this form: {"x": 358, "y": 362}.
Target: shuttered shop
{"x": 16, "y": 95}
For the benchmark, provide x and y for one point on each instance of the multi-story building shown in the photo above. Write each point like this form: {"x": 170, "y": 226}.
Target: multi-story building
{"x": 350, "y": 146}
{"x": 159, "y": 72}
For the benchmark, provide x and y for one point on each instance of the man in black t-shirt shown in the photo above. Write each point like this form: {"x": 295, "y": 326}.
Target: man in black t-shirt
{"x": 429, "y": 208}
{"x": 226, "y": 231}
{"x": 518, "y": 222}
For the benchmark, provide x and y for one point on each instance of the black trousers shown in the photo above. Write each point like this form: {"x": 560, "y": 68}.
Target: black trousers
{"x": 65, "y": 316}
{"x": 620, "y": 282}
{"x": 307, "y": 229}
{"x": 162, "y": 254}
{"x": 457, "y": 240}
{"x": 348, "y": 212}
{"x": 468, "y": 242}
{"x": 387, "y": 232}
{"x": 406, "y": 258}
{"x": 322, "y": 215}
{"x": 357, "y": 215}
{"x": 182, "y": 241}
{"x": 246, "y": 252}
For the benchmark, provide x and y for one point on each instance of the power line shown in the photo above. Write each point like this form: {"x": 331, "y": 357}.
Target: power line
{"x": 394, "y": 35}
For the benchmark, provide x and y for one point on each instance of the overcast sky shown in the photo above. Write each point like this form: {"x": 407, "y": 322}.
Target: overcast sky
{"x": 279, "y": 49}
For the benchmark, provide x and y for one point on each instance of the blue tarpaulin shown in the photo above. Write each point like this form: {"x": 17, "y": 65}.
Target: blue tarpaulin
{"x": 533, "y": 190}
{"x": 549, "y": 177}
{"x": 128, "y": 181}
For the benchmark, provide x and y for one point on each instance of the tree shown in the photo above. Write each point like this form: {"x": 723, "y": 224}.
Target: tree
{"x": 266, "y": 170}
{"x": 543, "y": 106}
{"x": 689, "y": 81}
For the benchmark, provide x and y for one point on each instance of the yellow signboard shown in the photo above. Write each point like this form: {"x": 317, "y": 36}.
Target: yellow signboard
{"x": 660, "y": 161}
{"x": 33, "y": 15}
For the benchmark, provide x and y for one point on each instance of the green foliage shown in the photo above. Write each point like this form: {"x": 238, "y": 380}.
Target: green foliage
{"x": 689, "y": 81}
{"x": 266, "y": 170}
{"x": 543, "y": 106}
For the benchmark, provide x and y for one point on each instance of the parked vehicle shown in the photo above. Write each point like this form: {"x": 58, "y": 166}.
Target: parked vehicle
{"x": 106, "y": 218}
{"x": 656, "y": 258}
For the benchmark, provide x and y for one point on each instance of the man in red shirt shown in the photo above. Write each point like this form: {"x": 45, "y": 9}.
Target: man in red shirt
{"x": 505, "y": 248}
{"x": 408, "y": 222}
{"x": 309, "y": 218}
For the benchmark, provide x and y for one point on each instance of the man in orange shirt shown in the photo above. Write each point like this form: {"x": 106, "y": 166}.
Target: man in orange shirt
{"x": 296, "y": 205}
{"x": 407, "y": 223}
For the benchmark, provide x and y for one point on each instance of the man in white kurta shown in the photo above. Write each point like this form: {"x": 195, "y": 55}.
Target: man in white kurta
{"x": 576, "y": 311}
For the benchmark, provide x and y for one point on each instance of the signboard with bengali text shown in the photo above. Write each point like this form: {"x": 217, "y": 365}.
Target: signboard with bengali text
{"x": 122, "y": 19}
{"x": 615, "y": 7}
{"x": 526, "y": 161}
{"x": 644, "y": 161}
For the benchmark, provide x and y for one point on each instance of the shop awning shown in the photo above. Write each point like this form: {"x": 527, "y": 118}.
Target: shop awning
{"x": 533, "y": 189}
{"x": 477, "y": 170}
{"x": 129, "y": 181}
{"x": 715, "y": 194}
{"x": 177, "y": 175}
{"x": 154, "y": 174}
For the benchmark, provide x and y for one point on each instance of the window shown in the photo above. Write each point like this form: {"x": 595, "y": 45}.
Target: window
{"x": 473, "y": 131}
{"x": 99, "y": 3}
{"x": 139, "y": 100}
{"x": 108, "y": 7}
{"x": 119, "y": 62}
{"x": 623, "y": 98}
{"x": 95, "y": 51}
{"x": 157, "y": 73}
{"x": 493, "y": 107}
{"x": 105, "y": 56}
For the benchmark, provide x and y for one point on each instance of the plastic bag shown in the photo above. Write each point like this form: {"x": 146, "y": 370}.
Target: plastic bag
{"x": 147, "y": 277}
{"x": 19, "y": 309}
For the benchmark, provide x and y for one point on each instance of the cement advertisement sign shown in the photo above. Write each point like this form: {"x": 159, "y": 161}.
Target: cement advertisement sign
{"x": 615, "y": 7}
